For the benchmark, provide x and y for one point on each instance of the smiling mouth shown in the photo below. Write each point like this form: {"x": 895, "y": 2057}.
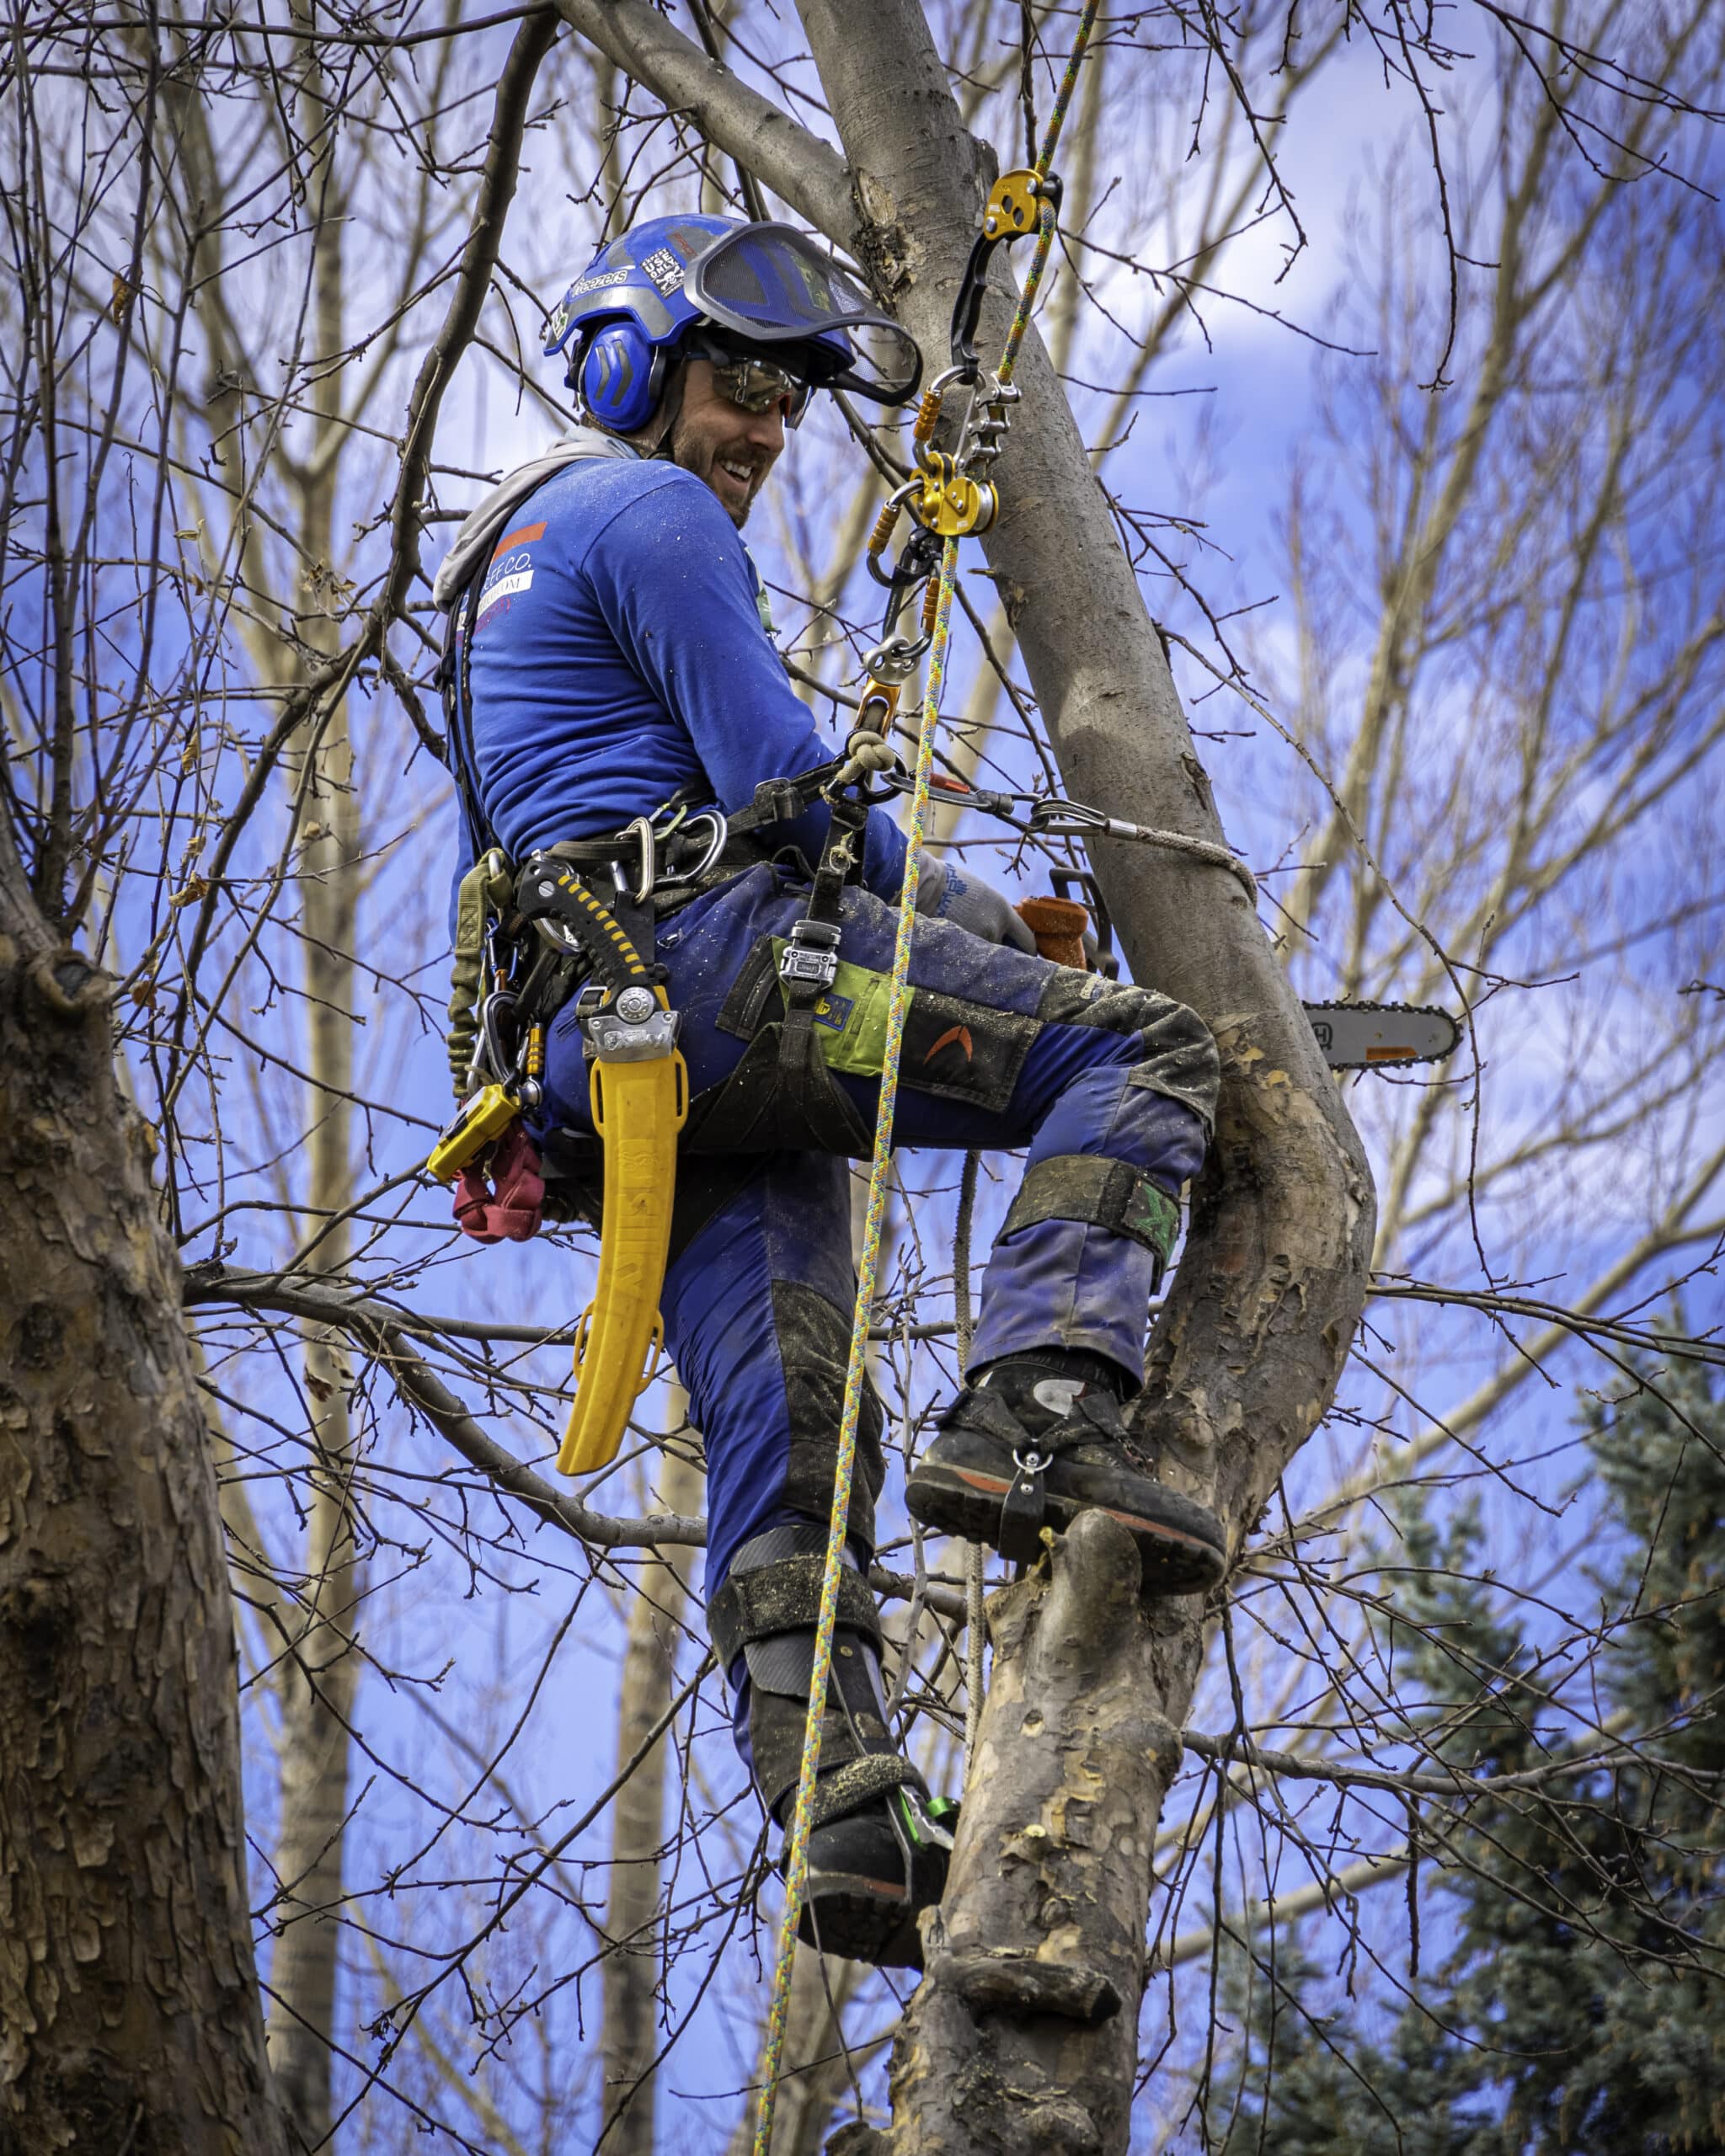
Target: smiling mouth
{"x": 742, "y": 474}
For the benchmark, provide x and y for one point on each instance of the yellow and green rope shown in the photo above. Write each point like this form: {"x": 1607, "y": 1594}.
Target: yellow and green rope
{"x": 898, "y": 1007}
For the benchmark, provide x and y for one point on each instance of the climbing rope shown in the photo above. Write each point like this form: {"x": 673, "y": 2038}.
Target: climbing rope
{"x": 868, "y": 1262}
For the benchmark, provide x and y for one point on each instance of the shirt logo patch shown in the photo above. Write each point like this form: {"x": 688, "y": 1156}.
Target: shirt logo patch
{"x": 524, "y": 538}
{"x": 510, "y": 574}
{"x": 506, "y": 587}
{"x": 835, "y": 1011}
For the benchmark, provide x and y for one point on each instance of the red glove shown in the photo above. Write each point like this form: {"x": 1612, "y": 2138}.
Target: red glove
{"x": 511, "y": 1212}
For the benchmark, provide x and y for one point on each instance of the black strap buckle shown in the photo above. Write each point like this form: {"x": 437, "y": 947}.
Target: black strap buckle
{"x": 1023, "y": 1508}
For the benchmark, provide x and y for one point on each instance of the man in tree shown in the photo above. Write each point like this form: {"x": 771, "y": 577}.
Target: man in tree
{"x": 610, "y": 661}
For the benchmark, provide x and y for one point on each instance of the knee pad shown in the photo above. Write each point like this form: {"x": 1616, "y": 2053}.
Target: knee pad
{"x": 1098, "y": 1192}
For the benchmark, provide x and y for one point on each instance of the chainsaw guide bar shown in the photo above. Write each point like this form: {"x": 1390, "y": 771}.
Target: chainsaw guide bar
{"x": 1381, "y": 1035}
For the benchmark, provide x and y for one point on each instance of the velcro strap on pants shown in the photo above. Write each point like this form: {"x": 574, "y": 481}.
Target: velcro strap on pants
{"x": 785, "y": 1598}
{"x": 1101, "y": 1193}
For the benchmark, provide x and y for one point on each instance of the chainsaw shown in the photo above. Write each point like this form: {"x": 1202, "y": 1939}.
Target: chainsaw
{"x": 1353, "y": 1036}
{"x": 1381, "y": 1035}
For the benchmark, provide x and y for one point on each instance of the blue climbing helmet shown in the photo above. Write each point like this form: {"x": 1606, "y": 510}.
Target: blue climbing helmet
{"x": 764, "y": 291}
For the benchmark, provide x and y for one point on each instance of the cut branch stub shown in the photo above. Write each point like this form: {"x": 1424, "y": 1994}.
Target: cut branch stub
{"x": 1036, "y": 1958}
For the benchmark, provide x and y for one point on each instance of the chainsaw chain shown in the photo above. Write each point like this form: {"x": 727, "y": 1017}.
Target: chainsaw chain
{"x": 1412, "y": 1010}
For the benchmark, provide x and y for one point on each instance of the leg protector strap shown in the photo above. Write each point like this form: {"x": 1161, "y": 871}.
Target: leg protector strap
{"x": 774, "y": 1588}
{"x": 767, "y": 1614}
{"x": 1101, "y": 1193}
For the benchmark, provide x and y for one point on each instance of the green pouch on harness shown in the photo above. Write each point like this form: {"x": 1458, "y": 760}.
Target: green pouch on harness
{"x": 961, "y": 1050}
{"x": 953, "y": 1047}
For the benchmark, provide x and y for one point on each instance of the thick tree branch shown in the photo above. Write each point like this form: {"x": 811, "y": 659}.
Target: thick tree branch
{"x": 794, "y": 162}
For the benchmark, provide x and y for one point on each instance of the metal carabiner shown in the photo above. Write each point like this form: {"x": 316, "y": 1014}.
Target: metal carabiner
{"x": 670, "y": 877}
{"x": 1051, "y": 819}
{"x": 640, "y": 829}
{"x": 500, "y": 1057}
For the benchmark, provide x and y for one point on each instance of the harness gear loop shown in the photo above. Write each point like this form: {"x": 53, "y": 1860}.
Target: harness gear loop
{"x": 483, "y": 891}
{"x": 898, "y": 1009}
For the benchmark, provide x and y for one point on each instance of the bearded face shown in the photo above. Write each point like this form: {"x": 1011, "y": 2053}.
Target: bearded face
{"x": 731, "y": 450}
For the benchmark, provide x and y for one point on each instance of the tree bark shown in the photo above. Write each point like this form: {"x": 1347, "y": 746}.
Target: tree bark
{"x": 128, "y": 1995}
{"x": 1025, "y": 2033}
{"x": 631, "y": 1967}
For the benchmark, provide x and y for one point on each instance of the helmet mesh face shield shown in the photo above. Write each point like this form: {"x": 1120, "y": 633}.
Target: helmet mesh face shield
{"x": 769, "y": 283}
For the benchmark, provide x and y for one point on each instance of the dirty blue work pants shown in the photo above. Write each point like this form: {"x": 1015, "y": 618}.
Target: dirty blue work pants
{"x": 1001, "y": 1050}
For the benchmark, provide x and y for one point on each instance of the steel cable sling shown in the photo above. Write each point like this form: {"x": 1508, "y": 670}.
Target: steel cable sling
{"x": 898, "y": 1007}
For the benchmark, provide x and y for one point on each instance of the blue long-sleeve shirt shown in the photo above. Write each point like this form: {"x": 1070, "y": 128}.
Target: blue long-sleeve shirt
{"x": 619, "y": 655}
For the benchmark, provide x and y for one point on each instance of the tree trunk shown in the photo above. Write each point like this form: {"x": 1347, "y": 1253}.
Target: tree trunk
{"x": 128, "y": 2001}
{"x": 1258, "y": 1325}
{"x": 320, "y": 1677}
{"x": 1025, "y": 2033}
{"x": 632, "y": 2037}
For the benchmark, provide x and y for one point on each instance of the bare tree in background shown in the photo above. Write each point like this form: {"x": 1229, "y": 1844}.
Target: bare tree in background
{"x": 634, "y": 1967}
{"x": 255, "y": 265}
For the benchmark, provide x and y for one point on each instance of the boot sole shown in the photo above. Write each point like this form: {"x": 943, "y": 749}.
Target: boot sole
{"x": 862, "y": 1920}
{"x": 966, "y": 1501}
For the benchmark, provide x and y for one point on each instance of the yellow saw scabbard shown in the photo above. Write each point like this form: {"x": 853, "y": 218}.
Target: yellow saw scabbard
{"x": 640, "y": 1101}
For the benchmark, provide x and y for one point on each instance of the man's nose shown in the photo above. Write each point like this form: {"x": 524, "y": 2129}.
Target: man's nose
{"x": 766, "y": 431}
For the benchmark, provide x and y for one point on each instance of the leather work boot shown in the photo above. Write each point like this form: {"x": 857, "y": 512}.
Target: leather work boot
{"x": 871, "y": 1875}
{"x": 879, "y": 1846}
{"x": 1037, "y": 1439}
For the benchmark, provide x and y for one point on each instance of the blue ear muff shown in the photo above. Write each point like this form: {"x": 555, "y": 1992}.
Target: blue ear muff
{"x": 618, "y": 376}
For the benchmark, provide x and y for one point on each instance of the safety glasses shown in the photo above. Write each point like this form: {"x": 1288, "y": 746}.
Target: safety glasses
{"x": 757, "y": 384}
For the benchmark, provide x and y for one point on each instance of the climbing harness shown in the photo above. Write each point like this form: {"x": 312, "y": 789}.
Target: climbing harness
{"x": 638, "y": 1097}
{"x": 946, "y": 501}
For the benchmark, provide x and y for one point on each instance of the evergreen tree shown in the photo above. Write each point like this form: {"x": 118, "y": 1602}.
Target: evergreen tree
{"x": 1580, "y": 2008}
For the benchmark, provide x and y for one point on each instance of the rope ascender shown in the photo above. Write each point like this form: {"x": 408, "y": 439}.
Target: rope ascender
{"x": 947, "y": 502}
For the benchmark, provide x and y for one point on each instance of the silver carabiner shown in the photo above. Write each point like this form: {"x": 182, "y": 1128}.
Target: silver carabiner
{"x": 715, "y": 846}
{"x": 641, "y": 829}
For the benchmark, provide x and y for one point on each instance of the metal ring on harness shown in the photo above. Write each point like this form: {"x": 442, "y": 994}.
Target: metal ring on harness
{"x": 671, "y": 878}
{"x": 641, "y": 831}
